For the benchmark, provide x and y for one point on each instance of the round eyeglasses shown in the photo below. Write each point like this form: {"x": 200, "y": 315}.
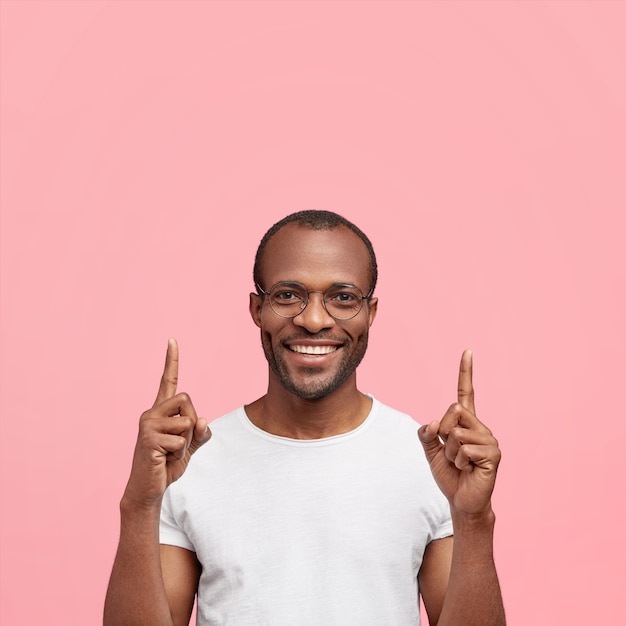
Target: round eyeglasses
{"x": 341, "y": 301}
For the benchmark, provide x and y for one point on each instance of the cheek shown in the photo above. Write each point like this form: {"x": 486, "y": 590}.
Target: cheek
{"x": 359, "y": 329}
{"x": 271, "y": 326}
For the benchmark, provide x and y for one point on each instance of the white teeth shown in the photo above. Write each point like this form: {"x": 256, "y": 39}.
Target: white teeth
{"x": 314, "y": 349}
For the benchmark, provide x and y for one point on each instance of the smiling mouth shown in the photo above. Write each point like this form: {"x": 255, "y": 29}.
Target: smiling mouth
{"x": 313, "y": 349}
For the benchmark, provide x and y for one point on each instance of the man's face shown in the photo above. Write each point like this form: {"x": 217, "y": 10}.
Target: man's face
{"x": 317, "y": 259}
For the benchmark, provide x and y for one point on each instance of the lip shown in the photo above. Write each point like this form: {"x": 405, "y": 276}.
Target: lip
{"x": 312, "y": 344}
{"x": 306, "y": 350}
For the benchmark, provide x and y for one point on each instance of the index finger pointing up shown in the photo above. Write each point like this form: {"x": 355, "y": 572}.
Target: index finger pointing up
{"x": 466, "y": 388}
{"x": 169, "y": 380}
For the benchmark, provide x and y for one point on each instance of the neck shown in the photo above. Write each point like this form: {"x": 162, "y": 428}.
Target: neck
{"x": 282, "y": 413}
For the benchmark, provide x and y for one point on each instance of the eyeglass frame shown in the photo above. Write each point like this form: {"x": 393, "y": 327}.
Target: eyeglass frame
{"x": 295, "y": 283}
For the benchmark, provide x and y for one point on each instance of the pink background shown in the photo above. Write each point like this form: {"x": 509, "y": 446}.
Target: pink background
{"x": 146, "y": 147}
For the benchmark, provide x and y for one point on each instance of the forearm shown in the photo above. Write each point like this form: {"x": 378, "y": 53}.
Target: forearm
{"x": 136, "y": 593}
{"x": 473, "y": 597}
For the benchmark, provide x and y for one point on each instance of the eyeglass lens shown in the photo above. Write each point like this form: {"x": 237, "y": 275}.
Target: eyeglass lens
{"x": 343, "y": 302}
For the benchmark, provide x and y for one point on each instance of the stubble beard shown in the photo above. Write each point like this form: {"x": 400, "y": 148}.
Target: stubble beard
{"x": 314, "y": 387}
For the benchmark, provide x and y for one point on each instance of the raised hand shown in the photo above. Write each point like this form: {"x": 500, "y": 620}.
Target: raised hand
{"x": 169, "y": 433}
{"x": 462, "y": 452}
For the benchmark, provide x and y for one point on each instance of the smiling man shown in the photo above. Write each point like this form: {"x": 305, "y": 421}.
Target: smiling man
{"x": 314, "y": 504}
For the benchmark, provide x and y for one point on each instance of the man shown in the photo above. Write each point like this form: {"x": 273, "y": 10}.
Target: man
{"x": 315, "y": 504}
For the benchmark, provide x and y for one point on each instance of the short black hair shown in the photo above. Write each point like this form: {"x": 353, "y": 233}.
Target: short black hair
{"x": 315, "y": 220}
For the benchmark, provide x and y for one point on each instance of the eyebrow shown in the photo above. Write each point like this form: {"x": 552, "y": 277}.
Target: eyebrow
{"x": 341, "y": 283}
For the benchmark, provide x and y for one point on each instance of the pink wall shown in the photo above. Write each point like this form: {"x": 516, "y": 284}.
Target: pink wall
{"x": 146, "y": 146}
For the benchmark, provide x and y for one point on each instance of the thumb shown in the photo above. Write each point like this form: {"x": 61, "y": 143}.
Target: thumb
{"x": 201, "y": 434}
{"x": 429, "y": 438}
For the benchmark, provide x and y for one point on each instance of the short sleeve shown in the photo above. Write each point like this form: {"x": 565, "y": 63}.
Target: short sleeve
{"x": 445, "y": 528}
{"x": 170, "y": 531}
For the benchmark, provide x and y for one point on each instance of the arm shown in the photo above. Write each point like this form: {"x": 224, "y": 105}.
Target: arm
{"x": 152, "y": 584}
{"x": 473, "y": 589}
{"x": 181, "y": 573}
{"x": 464, "y": 466}
{"x": 434, "y": 575}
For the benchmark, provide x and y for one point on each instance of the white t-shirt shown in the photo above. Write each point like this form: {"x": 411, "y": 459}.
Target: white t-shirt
{"x": 316, "y": 532}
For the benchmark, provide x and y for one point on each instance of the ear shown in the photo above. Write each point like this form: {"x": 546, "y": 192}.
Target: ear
{"x": 371, "y": 310}
{"x": 256, "y": 303}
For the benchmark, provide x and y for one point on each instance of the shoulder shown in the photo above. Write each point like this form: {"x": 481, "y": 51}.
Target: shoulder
{"x": 394, "y": 431}
{"x": 228, "y": 422}
{"x": 395, "y": 434}
{"x": 228, "y": 433}
{"x": 391, "y": 419}
{"x": 210, "y": 463}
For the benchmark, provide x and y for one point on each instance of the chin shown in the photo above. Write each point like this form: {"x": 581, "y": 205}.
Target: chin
{"x": 313, "y": 390}
{"x": 315, "y": 385}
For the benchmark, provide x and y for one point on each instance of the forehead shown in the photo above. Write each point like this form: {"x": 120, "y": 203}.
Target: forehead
{"x": 316, "y": 258}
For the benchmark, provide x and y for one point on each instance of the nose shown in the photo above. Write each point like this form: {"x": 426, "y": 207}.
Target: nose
{"x": 314, "y": 317}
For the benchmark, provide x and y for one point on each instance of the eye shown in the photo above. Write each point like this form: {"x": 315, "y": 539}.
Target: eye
{"x": 286, "y": 296}
{"x": 344, "y": 296}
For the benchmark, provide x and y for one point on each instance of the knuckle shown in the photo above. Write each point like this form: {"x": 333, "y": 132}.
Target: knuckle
{"x": 180, "y": 443}
{"x": 146, "y": 440}
{"x": 184, "y": 398}
{"x": 457, "y": 433}
{"x": 497, "y": 455}
{"x": 145, "y": 430}
{"x": 451, "y": 452}
{"x": 463, "y": 464}
{"x": 454, "y": 409}
{"x": 457, "y": 408}
{"x": 187, "y": 422}
{"x": 169, "y": 379}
